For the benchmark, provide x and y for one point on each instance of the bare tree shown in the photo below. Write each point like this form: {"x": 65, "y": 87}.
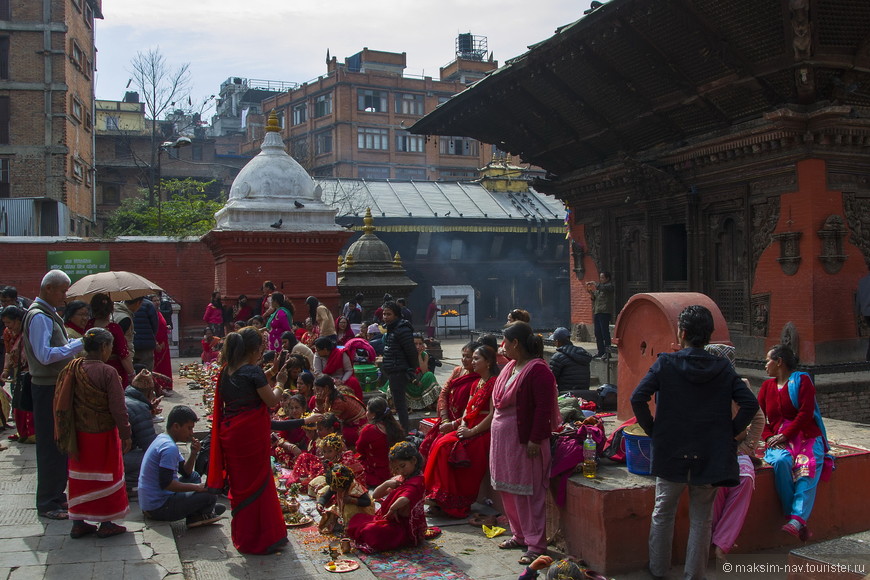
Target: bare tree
{"x": 161, "y": 86}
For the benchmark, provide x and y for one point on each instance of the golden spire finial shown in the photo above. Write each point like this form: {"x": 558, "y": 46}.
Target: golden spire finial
{"x": 340, "y": 260}
{"x": 348, "y": 260}
{"x": 272, "y": 123}
{"x": 397, "y": 260}
{"x": 369, "y": 227}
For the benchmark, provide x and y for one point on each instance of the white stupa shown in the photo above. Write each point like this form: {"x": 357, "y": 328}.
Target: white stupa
{"x": 273, "y": 192}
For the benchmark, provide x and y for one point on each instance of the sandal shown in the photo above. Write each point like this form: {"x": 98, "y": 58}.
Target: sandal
{"x": 510, "y": 544}
{"x": 528, "y": 558}
{"x": 81, "y": 529}
{"x": 57, "y": 514}
{"x": 109, "y": 529}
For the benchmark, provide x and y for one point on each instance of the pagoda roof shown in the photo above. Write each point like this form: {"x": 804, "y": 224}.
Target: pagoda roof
{"x": 640, "y": 77}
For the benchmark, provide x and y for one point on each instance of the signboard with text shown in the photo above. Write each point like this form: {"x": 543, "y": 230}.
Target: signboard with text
{"x": 78, "y": 264}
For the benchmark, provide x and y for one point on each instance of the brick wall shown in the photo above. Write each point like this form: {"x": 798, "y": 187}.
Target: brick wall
{"x": 846, "y": 401}
{"x": 581, "y": 305}
{"x": 184, "y": 269}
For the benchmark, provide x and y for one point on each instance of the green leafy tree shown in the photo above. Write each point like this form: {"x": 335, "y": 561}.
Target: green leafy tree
{"x": 188, "y": 211}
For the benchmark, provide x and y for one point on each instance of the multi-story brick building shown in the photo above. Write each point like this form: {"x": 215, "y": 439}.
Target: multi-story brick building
{"x": 352, "y": 122}
{"x": 46, "y": 118}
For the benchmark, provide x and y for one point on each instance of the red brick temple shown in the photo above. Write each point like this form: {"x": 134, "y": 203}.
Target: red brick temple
{"x": 711, "y": 146}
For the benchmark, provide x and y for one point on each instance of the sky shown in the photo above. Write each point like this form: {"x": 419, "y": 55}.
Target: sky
{"x": 287, "y": 40}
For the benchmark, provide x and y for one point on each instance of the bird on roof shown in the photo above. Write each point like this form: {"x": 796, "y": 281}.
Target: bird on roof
{"x": 277, "y": 224}
{"x": 447, "y": 214}
{"x": 298, "y": 204}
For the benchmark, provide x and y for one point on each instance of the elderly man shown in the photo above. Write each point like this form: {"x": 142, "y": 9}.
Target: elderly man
{"x": 48, "y": 350}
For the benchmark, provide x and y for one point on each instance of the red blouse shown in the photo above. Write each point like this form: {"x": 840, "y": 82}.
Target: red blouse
{"x": 777, "y": 408}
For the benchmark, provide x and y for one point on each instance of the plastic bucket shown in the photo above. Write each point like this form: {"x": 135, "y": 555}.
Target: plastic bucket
{"x": 367, "y": 375}
{"x": 638, "y": 453}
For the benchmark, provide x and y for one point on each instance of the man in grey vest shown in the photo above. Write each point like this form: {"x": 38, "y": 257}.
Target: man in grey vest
{"x": 48, "y": 350}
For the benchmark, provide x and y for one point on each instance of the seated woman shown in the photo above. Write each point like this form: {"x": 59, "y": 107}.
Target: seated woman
{"x": 375, "y": 440}
{"x": 424, "y": 389}
{"x": 211, "y": 346}
{"x": 290, "y": 439}
{"x": 453, "y": 399}
{"x": 343, "y": 330}
{"x": 349, "y": 409}
{"x": 332, "y": 450}
{"x": 459, "y": 460}
{"x": 335, "y": 362}
{"x": 344, "y": 498}
{"x": 795, "y": 437}
{"x": 400, "y": 521}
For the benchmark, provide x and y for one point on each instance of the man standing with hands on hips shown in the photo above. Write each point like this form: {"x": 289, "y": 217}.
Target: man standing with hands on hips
{"x": 601, "y": 293}
{"x": 48, "y": 350}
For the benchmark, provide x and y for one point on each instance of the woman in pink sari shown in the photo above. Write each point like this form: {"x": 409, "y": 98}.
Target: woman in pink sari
{"x": 280, "y": 321}
{"x": 525, "y": 414}
{"x": 459, "y": 460}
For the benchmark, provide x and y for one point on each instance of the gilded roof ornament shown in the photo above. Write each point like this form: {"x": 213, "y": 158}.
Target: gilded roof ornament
{"x": 272, "y": 123}
{"x": 369, "y": 222}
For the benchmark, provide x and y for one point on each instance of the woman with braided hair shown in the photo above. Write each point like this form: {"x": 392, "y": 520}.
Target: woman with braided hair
{"x": 400, "y": 521}
{"x": 375, "y": 440}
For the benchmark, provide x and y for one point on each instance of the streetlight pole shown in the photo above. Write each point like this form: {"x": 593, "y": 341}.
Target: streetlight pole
{"x": 165, "y": 146}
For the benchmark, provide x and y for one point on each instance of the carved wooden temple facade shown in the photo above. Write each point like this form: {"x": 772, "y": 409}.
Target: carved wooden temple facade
{"x": 717, "y": 146}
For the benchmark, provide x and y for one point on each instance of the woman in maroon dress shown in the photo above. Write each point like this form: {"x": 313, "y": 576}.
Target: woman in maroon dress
{"x": 121, "y": 359}
{"x": 375, "y": 440}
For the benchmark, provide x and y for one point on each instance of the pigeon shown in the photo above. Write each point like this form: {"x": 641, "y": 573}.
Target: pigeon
{"x": 298, "y": 204}
{"x": 277, "y": 224}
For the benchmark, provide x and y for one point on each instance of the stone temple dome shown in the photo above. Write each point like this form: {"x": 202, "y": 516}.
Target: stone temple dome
{"x": 369, "y": 249}
{"x": 273, "y": 191}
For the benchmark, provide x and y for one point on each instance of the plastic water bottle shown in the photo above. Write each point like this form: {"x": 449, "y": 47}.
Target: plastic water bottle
{"x": 590, "y": 465}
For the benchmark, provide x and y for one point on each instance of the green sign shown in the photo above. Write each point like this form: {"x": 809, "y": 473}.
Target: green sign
{"x": 79, "y": 264}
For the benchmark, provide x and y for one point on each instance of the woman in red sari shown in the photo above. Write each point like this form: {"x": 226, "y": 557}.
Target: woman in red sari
{"x": 121, "y": 359}
{"x": 349, "y": 409}
{"x": 400, "y": 521}
{"x": 375, "y": 440}
{"x": 452, "y": 399}
{"x": 241, "y": 445}
{"x": 91, "y": 426}
{"x": 162, "y": 360}
{"x": 336, "y": 363}
{"x": 343, "y": 330}
{"x": 455, "y": 487}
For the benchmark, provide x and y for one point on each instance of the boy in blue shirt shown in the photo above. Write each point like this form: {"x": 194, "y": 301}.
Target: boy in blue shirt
{"x": 163, "y": 495}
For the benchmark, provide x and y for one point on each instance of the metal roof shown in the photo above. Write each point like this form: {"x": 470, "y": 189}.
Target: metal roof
{"x": 448, "y": 202}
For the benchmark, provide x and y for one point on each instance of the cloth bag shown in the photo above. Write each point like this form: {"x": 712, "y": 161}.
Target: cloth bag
{"x": 22, "y": 392}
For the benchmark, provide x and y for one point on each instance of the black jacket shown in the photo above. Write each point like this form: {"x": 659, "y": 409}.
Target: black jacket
{"x": 400, "y": 354}
{"x": 693, "y": 430}
{"x": 145, "y": 324}
{"x": 141, "y": 418}
{"x": 570, "y": 366}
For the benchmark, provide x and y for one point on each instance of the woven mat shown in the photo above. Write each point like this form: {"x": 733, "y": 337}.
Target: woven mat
{"x": 424, "y": 561}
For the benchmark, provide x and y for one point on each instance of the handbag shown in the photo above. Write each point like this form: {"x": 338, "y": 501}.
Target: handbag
{"x": 22, "y": 392}
{"x": 458, "y": 456}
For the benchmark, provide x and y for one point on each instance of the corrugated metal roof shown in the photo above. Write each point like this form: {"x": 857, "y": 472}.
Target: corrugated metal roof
{"x": 436, "y": 200}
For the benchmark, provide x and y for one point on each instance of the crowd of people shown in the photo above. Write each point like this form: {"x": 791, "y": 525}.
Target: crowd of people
{"x": 287, "y": 393}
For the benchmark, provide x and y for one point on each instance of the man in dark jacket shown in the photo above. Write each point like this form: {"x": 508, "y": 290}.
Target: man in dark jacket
{"x": 692, "y": 436}
{"x": 138, "y": 399}
{"x": 145, "y": 324}
{"x": 570, "y": 364}
{"x": 400, "y": 358}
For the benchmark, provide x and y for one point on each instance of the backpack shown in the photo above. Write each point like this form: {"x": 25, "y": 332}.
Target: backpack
{"x": 614, "y": 447}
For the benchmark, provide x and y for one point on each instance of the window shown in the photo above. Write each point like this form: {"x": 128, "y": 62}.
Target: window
{"x": 372, "y": 138}
{"x": 409, "y": 104}
{"x": 196, "y": 151}
{"x": 5, "y": 117}
{"x": 89, "y": 177}
{"x": 122, "y": 148}
{"x": 5, "y": 12}
{"x": 111, "y": 195}
{"x": 325, "y": 171}
{"x": 323, "y": 143}
{"x": 300, "y": 149}
{"x": 458, "y": 174}
{"x": 89, "y": 121}
{"x": 409, "y": 173}
{"x": 373, "y": 172}
{"x": 89, "y": 16}
{"x": 300, "y": 114}
{"x": 371, "y": 101}
{"x": 456, "y": 250}
{"x": 409, "y": 143}
{"x": 77, "y": 109}
{"x": 423, "y": 241}
{"x": 77, "y": 4}
{"x": 78, "y": 170}
{"x": 459, "y": 146}
{"x": 112, "y": 123}
{"x": 4, "y": 58}
{"x": 77, "y": 56}
{"x": 4, "y": 177}
{"x": 323, "y": 105}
